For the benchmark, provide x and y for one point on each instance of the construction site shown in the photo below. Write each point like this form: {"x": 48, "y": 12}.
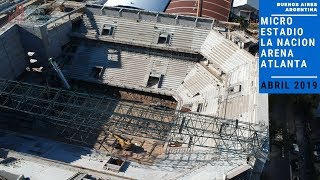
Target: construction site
{"x": 98, "y": 92}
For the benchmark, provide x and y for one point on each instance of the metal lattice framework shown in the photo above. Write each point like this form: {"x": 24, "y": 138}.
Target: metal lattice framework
{"x": 80, "y": 116}
{"x": 225, "y": 135}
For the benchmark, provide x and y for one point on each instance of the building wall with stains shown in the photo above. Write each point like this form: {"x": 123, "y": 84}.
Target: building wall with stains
{"x": 217, "y": 9}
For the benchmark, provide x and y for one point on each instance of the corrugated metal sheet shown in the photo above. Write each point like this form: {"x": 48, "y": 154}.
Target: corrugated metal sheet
{"x": 154, "y": 5}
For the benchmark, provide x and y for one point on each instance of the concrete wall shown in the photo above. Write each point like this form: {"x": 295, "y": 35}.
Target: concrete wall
{"x": 57, "y": 37}
{"x": 46, "y": 43}
{"x": 33, "y": 40}
{"x": 16, "y": 41}
{"x": 12, "y": 55}
{"x": 4, "y": 4}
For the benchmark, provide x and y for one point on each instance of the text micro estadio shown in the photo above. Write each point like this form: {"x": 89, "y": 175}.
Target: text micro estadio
{"x": 272, "y": 37}
{"x": 276, "y": 21}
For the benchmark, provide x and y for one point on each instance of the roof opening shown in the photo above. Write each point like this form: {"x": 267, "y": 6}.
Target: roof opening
{"x": 155, "y": 81}
{"x": 164, "y": 38}
{"x": 199, "y": 108}
{"x": 115, "y": 161}
{"x": 114, "y": 164}
{"x": 231, "y": 89}
{"x": 96, "y": 72}
{"x": 235, "y": 89}
{"x": 107, "y": 30}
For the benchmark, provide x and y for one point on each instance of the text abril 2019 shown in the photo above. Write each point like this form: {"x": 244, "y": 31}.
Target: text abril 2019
{"x": 283, "y": 84}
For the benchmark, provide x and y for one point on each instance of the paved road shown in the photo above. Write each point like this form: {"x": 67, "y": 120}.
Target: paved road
{"x": 302, "y": 141}
{"x": 279, "y": 167}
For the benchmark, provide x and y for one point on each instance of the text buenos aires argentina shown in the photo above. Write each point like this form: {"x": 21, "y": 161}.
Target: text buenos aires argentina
{"x": 285, "y": 37}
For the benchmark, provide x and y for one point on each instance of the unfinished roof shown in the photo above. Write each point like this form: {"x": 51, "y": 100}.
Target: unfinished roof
{"x": 225, "y": 139}
{"x": 188, "y": 58}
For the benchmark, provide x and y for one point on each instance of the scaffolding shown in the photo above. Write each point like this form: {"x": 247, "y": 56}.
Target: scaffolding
{"x": 225, "y": 135}
{"x": 79, "y": 116}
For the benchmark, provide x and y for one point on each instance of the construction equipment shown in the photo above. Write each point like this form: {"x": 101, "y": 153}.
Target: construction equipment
{"x": 122, "y": 143}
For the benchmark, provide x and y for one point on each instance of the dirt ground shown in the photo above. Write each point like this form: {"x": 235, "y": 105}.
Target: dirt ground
{"x": 125, "y": 94}
{"x": 144, "y": 150}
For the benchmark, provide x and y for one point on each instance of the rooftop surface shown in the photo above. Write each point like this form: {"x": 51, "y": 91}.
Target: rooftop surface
{"x": 39, "y": 158}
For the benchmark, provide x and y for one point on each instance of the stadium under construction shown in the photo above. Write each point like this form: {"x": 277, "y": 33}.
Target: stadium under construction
{"x": 115, "y": 93}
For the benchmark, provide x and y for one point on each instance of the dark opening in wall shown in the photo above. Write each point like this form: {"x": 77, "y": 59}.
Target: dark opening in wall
{"x": 153, "y": 81}
{"x": 199, "y": 108}
{"x": 107, "y": 30}
{"x": 164, "y": 38}
{"x": 96, "y": 72}
{"x": 68, "y": 9}
{"x": 115, "y": 161}
{"x": 76, "y": 25}
{"x": 231, "y": 89}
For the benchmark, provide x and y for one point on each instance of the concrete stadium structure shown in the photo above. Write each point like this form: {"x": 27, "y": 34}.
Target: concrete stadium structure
{"x": 191, "y": 59}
